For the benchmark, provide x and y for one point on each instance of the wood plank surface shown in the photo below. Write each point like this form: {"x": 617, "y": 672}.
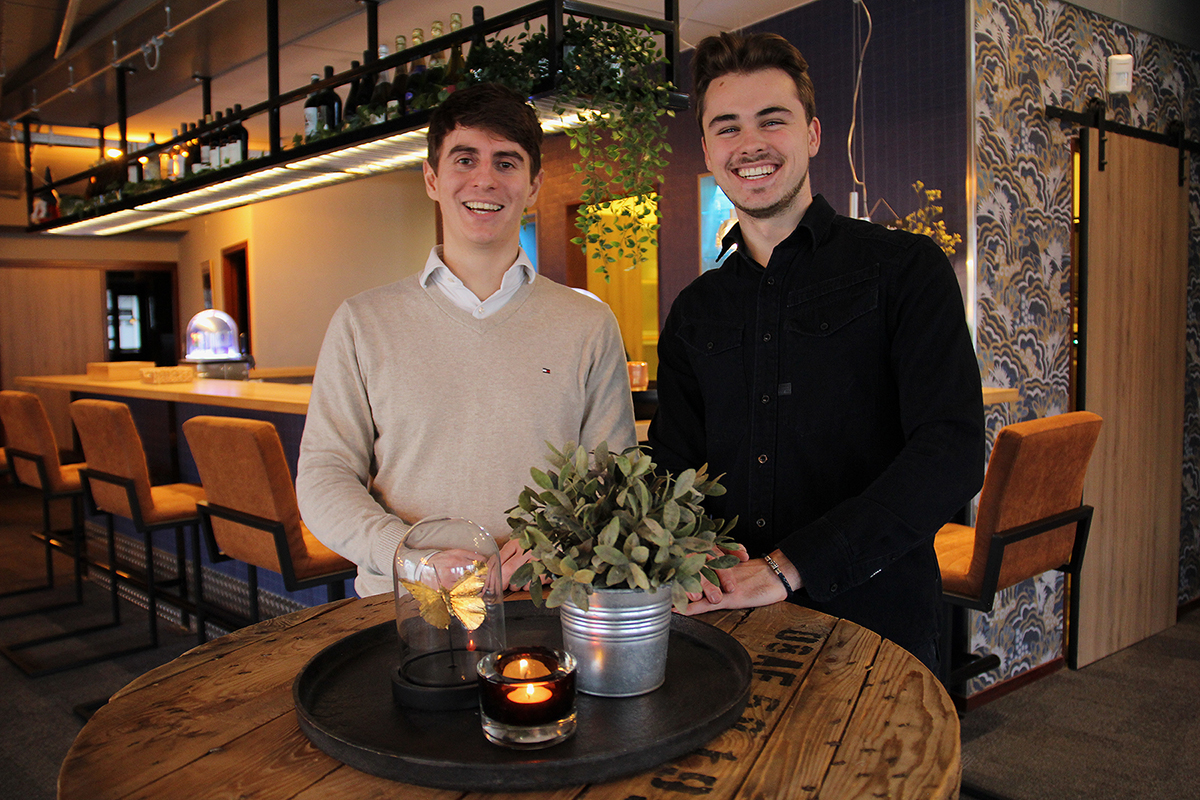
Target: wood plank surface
{"x": 221, "y": 717}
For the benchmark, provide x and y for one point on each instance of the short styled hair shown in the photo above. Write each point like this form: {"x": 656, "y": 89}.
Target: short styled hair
{"x": 492, "y": 108}
{"x": 732, "y": 52}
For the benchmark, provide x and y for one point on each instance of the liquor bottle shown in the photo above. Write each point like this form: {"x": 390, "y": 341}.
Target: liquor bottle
{"x": 457, "y": 68}
{"x": 383, "y": 90}
{"x": 396, "y": 105}
{"x": 354, "y": 98}
{"x": 437, "y": 60}
{"x": 175, "y": 155}
{"x": 151, "y": 169}
{"x": 478, "y": 52}
{"x": 193, "y": 150}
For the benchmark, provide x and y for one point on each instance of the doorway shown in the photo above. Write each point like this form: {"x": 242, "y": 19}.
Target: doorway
{"x": 1132, "y": 292}
{"x": 235, "y": 281}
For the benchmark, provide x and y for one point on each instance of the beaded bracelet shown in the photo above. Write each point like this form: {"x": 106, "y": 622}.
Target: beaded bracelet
{"x": 771, "y": 563}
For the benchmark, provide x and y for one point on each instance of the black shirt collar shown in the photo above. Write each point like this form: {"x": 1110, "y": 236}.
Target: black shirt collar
{"x": 813, "y": 229}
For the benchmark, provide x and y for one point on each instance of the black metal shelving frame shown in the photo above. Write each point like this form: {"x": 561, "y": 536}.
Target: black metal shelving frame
{"x": 553, "y": 11}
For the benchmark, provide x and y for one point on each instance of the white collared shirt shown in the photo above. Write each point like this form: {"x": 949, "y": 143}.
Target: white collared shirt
{"x": 436, "y": 271}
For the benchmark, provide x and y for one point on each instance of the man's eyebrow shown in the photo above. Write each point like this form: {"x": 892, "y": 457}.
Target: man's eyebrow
{"x": 512, "y": 155}
{"x": 463, "y": 148}
{"x": 766, "y": 112}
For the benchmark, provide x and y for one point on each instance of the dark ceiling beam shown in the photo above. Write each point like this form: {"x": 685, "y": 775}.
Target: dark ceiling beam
{"x": 64, "y": 36}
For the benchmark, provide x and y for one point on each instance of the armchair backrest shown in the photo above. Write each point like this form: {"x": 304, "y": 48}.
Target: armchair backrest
{"x": 28, "y": 429}
{"x": 111, "y": 444}
{"x": 1036, "y": 470}
{"x": 242, "y": 467}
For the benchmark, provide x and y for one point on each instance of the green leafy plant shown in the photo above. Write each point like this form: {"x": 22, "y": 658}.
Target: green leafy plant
{"x": 612, "y": 79}
{"x": 926, "y": 220}
{"x": 611, "y": 521}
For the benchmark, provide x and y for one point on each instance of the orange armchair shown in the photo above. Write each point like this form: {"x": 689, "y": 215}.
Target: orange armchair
{"x": 1031, "y": 519}
{"x": 251, "y": 513}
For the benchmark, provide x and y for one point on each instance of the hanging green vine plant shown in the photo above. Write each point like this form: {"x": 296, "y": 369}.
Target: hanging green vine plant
{"x": 614, "y": 74}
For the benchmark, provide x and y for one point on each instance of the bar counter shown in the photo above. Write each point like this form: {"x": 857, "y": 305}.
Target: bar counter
{"x": 258, "y": 394}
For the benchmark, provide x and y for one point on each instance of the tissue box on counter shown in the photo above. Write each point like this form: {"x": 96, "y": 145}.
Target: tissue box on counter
{"x": 116, "y": 370}
{"x": 169, "y": 375}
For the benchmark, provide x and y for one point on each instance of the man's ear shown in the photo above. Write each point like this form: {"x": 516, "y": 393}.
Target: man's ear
{"x": 536, "y": 186}
{"x": 704, "y": 146}
{"x": 814, "y": 137}
{"x": 430, "y": 179}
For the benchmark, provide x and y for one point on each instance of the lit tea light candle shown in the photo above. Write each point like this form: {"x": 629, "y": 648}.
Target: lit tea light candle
{"x": 527, "y": 696}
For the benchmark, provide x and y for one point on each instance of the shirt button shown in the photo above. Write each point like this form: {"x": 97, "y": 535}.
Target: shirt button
{"x": 766, "y": 398}
{"x": 762, "y": 459}
{"x": 710, "y": 345}
{"x": 824, "y": 326}
{"x": 770, "y": 281}
{"x": 766, "y": 337}
{"x": 760, "y": 522}
{"x": 833, "y": 588}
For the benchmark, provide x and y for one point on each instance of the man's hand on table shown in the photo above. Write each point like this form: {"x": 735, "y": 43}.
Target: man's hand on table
{"x": 747, "y": 585}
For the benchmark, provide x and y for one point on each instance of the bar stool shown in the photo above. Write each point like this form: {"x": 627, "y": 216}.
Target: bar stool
{"x": 251, "y": 513}
{"x": 117, "y": 483}
{"x": 34, "y": 461}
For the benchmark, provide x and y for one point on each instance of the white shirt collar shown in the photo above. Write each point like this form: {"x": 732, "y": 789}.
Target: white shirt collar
{"x": 436, "y": 272}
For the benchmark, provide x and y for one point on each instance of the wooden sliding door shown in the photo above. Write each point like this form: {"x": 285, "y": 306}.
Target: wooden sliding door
{"x": 1133, "y": 323}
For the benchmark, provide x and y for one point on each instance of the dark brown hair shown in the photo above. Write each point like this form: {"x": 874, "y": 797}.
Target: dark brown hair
{"x": 492, "y": 108}
{"x": 732, "y": 52}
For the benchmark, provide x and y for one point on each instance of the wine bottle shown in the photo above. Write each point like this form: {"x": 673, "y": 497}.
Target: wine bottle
{"x": 383, "y": 90}
{"x": 241, "y": 136}
{"x": 396, "y": 101}
{"x": 457, "y": 68}
{"x": 353, "y": 99}
{"x": 437, "y": 60}
{"x": 366, "y": 86}
{"x": 332, "y": 102}
{"x": 205, "y": 146}
{"x": 312, "y": 109}
{"x": 215, "y": 141}
{"x": 416, "y": 73}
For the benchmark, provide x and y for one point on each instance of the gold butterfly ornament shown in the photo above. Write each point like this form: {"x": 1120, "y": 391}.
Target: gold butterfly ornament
{"x": 462, "y": 601}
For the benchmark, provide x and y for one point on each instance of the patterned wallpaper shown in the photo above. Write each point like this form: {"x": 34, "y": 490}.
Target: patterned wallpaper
{"x": 1030, "y": 54}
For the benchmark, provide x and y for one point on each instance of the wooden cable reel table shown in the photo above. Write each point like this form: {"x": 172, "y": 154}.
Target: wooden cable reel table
{"x": 834, "y": 711}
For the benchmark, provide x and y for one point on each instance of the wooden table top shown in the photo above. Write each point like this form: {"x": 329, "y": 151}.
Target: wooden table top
{"x": 835, "y": 712}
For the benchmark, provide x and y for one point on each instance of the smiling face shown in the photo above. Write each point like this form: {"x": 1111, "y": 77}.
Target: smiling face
{"x": 483, "y": 186}
{"x": 758, "y": 141}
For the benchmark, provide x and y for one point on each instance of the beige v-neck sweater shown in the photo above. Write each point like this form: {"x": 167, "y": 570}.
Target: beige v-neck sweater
{"x": 418, "y": 408}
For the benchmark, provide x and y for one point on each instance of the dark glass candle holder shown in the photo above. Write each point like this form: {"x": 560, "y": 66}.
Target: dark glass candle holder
{"x": 527, "y": 696}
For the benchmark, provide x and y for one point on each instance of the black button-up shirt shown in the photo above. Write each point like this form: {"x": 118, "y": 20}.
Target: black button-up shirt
{"x": 838, "y": 392}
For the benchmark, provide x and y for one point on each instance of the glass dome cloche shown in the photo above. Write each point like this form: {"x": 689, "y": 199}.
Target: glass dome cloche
{"x": 214, "y": 346}
{"x": 449, "y": 611}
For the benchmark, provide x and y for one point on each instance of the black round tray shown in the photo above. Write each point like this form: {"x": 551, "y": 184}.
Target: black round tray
{"x": 344, "y": 703}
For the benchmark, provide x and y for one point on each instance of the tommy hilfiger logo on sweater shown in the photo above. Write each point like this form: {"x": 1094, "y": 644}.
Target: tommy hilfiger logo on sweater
{"x": 546, "y": 370}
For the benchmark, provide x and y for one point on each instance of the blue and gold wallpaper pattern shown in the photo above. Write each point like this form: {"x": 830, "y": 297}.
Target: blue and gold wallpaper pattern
{"x": 1030, "y": 54}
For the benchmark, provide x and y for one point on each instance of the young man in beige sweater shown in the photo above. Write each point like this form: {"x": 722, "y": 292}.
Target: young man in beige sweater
{"x": 437, "y": 393}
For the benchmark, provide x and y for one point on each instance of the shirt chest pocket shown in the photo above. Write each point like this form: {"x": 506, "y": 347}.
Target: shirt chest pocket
{"x": 824, "y": 312}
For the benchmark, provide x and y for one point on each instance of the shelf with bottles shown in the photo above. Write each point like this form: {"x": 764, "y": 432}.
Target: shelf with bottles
{"x": 502, "y": 48}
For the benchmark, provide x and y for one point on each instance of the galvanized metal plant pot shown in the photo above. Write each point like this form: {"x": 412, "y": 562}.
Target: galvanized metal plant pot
{"x": 620, "y": 642}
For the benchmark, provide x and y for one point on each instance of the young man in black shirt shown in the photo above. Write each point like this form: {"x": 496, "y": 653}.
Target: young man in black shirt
{"x": 825, "y": 369}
